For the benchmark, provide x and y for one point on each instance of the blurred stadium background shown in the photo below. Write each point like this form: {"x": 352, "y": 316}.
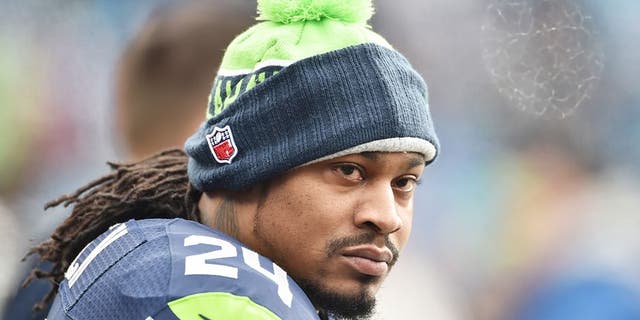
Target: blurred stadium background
{"x": 532, "y": 210}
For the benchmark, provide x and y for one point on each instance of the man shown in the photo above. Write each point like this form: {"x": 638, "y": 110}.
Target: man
{"x": 299, "y": 185}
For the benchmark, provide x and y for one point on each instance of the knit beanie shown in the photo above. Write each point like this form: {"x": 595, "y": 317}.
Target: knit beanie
{"x": 309, "y": 83}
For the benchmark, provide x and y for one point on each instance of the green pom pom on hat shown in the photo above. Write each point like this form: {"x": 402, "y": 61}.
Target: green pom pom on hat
{"x": 290, "y": 11}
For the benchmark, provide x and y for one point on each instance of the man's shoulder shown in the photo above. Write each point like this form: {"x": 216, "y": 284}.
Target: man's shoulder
{"x": 140, "y": 267}
{"x": 123, "y": 272}
{"x": 204, "y": 258}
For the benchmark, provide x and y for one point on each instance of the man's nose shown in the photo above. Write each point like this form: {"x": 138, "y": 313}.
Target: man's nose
{"x": 379, "y": 210}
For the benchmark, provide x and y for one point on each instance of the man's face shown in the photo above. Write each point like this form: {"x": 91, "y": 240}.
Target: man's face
{"x": 336, "y": 226}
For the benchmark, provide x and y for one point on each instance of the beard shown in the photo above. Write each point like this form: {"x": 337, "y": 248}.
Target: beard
{"x": 340, "y": 306}
{"x": 360, "y": 305}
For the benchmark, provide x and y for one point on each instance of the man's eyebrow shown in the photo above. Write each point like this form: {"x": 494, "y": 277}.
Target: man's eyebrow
{"x": 373, "y": 156}
{"x": 415, "y": 160}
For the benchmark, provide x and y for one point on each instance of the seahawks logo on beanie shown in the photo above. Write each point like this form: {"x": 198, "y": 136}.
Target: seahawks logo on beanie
{"x": 310, "y": 82}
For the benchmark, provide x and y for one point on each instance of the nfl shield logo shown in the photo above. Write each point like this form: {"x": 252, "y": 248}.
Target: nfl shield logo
{"x": 222, "y": 145}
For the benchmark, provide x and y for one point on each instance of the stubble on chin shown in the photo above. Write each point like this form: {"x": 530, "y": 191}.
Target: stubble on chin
{"x": 360, "y": 305}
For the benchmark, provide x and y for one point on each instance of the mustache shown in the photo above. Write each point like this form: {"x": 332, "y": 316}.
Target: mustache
{"x": 365, "y": 238}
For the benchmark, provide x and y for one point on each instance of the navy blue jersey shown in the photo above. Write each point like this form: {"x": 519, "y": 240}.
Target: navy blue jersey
{"x": 160, "y": 269}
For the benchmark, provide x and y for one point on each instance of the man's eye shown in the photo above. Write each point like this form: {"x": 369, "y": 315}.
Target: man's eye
{"x": 350, "y": 172}
{"x": 405, "y": 184}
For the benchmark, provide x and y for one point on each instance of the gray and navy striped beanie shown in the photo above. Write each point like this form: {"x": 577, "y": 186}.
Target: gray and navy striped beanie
{"x": 311, "y": 82}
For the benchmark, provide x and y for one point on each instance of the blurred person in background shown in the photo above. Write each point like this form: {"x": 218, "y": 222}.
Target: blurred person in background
{"x": 164, "y": 77}
{"x": 161, "y": 81}
{"x": 588, "y": 269}
{"x": 568, "y": 241}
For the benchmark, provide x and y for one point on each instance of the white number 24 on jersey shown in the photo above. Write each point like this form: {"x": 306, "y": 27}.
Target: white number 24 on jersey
{"x": 199, "y": 264}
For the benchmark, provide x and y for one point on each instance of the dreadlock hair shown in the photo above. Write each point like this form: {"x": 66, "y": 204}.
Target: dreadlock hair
{"x": 156, "y": 187}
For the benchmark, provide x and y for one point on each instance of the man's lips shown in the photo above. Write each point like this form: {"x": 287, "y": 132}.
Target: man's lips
{"x": 368, "y": 259}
